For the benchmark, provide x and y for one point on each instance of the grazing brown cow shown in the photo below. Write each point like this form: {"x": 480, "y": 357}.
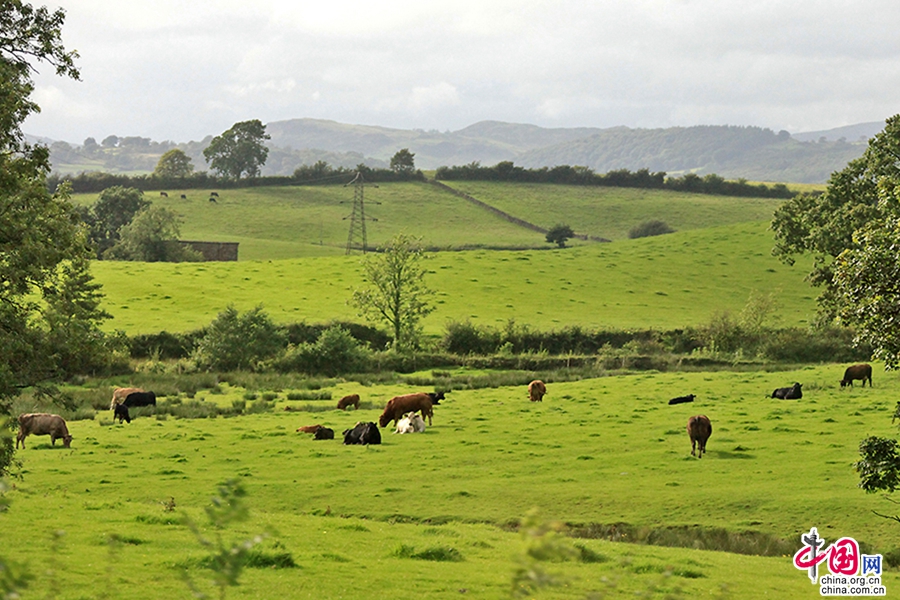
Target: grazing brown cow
{"x": 348, "y": 401}
{"x": 400, "y": 405}
{"x": 309, "y": 428}
{"x": 537, "y": 390}
{"x": 862, "y": 371}
{"x": 699, "y": 428}
{"x": 43, "y": 424}
{"x": 119, "y": 395}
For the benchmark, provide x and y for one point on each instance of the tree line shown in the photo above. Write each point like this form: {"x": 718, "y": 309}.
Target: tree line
{"x": 642, "y": 178}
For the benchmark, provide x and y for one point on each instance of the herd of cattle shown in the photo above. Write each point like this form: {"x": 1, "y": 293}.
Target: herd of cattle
{"x": 408, "y": 412}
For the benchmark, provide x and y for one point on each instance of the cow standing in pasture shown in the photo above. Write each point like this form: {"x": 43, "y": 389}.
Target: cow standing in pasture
{"x": 788, "y": 393}
{"x": 862, "y": 371}
{"x": 121, "y": 413}
{"x": 436, "y": 397}
{"x": 136, "y": 399}
{"x": 699, "y": 429}
{"x": 348, "y": 401}
{"x": 400, "y": 405}
{"x": 43, "y": 424}
{"x": 119, "y": 395}
{"x": 537, "y": 389}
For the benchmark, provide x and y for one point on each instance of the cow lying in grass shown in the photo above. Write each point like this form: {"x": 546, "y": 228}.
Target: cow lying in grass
{"x": 863, "y": 372}
{"x": 788, "y": 393}
{"x": 410, "y": 423}
{"x": 682, "y": 399}
{"x": 324, "y": 433}
{"x": 43, "y": 424}
{"x": 400, "y": 405}
{"x": 362, "y": 433}
{"x": 699, "y": 428}
{"x": 309, "y": 428}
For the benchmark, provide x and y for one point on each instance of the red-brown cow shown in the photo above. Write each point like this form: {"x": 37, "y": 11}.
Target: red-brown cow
{"x": 699, "y": 428}
{"x": 309, "y": 428}
{"x": 862, "y": 371}
{"x": 400, "y": 405}
{"x": 348, "y": 401}
{"x": 537, "y": 390}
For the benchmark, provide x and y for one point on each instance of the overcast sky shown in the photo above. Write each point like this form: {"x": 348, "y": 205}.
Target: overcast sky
{"x": 182, "y": 69}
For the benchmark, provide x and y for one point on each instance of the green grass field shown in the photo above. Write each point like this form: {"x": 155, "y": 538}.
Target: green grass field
{"x": 663, "y": 282}
{"x": 596, "y": 454}
{"x": 604, "y": 451}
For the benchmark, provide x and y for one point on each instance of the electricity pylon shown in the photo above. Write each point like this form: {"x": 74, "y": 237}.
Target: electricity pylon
{"x": 358, "y": 216}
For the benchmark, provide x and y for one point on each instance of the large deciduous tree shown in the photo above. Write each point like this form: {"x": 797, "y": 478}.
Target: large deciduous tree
{"x": 115, "y": 208}
{"x": 174, "y": 164}
{"x": 240, "y": 150}
{"x": 396, "y": 293}
{"x": 853, "y": 232}
{"x": 46, "y": 293}
{"x": 403, "y": 161}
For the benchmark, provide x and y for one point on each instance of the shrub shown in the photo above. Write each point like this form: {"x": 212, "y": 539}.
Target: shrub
{"x": 334, "y": 352}
{"x": 649, "y": 229}
{"x": 234, "y": 341}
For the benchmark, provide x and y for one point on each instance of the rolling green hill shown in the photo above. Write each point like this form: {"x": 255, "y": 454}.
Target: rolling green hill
{"x": 666, "y": 282}
{"x": 300, "y": 221}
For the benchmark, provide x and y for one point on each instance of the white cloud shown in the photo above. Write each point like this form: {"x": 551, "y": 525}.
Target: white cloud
{"x": 175, "y": 69}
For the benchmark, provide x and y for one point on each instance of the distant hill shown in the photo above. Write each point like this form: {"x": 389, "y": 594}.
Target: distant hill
{"x": 733, "y": 152}
{"x": 850, "y": 133}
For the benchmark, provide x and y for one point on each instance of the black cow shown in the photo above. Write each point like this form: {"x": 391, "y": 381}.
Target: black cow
{"x": 216, "y": 194}
{"x": 436, "y": 397}
{"x": 788, "y": 393}
{"x": 213, "y": 200}
{"x": 363, "y": 433}
{"x": 682, "y": 399}
{"x": 135, "y": 399}
{"x": 164, "y": 195}
{"x": 184, "y": 196}
{"x": 324, "y": 433}
{"x": 121, "y": 413}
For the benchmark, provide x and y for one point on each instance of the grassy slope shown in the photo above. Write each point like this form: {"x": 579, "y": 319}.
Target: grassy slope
{"x": 309, "y": 221}
{"x": 605, "y": 451}
{"x": 663, "y": 282}
{"x": 611, "y": 212}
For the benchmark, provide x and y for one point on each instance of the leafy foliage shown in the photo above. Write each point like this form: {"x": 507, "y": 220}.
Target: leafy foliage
{"x": 879, "y": 467}
{"x": 559, "y": 234}
{"x": 42, "y": 247}
{"x": 152, "y": 237}
{"x": 396, "y": 292}
{"x": 824, "y": 225}
{"x": 115, "y": 208}
{"x": 174, "y": 164}
{"x": 335, "y": 351}
{"x": 239, "y": 342}
{"x": 240, "y": 150}
{"x": 403, "y": 161}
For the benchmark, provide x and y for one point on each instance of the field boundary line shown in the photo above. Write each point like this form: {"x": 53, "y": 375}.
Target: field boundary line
{"x": 505, "y": 215}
